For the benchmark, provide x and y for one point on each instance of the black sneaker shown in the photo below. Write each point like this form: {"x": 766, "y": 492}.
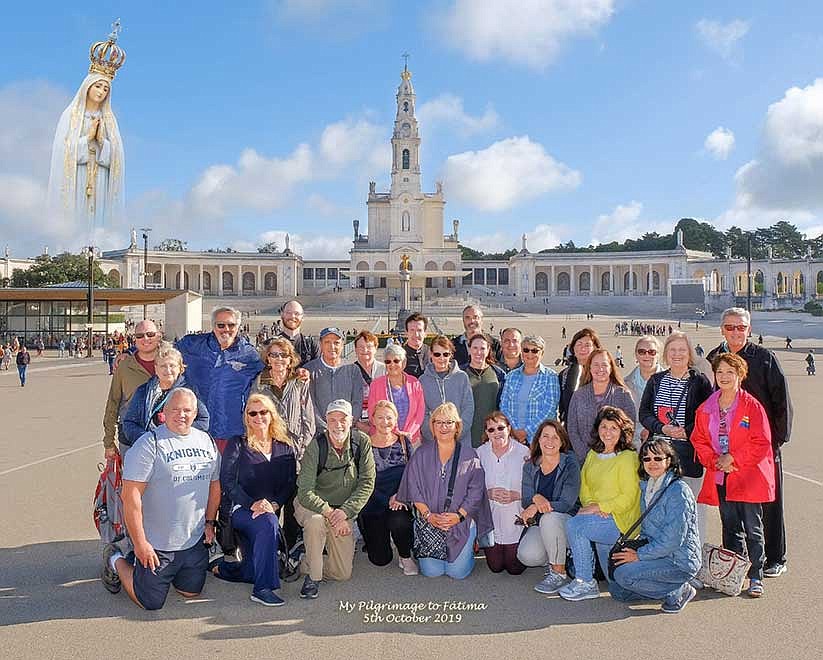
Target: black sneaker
{"x": 775, "y": 570}
{"x": 309, "y": 589}
{"x": 109, "y": 577}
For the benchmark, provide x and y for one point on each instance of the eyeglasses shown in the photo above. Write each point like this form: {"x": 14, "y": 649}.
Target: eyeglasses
{"x": 492, "y": 429}
{"x": 394, "y": 361}
{"x": 223, "y": 326}
{"x": 443, "y": 422}
{"x": 275, "y": 354}
{"x": 255, "y": 413}
{"x": 656, "y": 459}
{"x": 647, "y": 351}
{"x": 437, "y": 354}
{"x": 531, "y": 350}
{"x": 140, "y": 335}
{"x": 729, "y": 327}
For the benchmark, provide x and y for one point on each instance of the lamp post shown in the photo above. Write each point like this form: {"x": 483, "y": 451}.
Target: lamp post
{"x": 90, "y": 320}
{"x": 145, "y": 231}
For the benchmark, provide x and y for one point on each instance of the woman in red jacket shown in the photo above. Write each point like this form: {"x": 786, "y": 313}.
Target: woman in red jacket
{"x": 733, "y": 442}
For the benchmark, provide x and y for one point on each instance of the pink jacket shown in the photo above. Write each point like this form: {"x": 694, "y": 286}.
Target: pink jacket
{"x": 378, "y": 391}
{"x": 750, "y": 444}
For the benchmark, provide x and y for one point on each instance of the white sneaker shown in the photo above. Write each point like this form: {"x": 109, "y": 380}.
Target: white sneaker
{"x": 408, "y": 565}
{"x": 552, "y": 583}
{"x": 580, "y": 590}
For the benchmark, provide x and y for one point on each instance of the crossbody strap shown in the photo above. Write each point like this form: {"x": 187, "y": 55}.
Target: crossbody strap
{"x": 637, "y": 522}
{"x": 450, "y": 490}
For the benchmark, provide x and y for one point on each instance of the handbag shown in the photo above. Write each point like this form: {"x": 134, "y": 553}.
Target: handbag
{"x": 723, "y": 570}
{"x": 430, "y": 541}
{"x": 626, "y": 543}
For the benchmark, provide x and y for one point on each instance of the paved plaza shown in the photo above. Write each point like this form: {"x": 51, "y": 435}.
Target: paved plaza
{"x": 52, "y": 604}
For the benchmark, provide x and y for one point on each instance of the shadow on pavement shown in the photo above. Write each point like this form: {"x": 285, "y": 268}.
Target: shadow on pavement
{"x": 60, "y": 581}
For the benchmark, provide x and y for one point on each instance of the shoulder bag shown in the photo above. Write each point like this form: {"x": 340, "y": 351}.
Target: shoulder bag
{"x": 627, "y": 543}
{"x": 430, "y": 541}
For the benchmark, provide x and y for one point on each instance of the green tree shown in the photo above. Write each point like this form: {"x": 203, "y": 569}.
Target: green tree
{"x": 58, "y": 269}
{"x": 172, "y": 245}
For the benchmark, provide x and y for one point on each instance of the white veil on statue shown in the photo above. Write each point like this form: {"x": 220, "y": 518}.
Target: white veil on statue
{"x": 77, "y": 201}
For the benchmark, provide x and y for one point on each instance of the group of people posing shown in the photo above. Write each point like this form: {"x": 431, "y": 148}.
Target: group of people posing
{"x": 441, "y": 448}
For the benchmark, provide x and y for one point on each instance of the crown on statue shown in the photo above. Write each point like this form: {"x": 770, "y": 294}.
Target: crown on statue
{"x": 106, "y": 56}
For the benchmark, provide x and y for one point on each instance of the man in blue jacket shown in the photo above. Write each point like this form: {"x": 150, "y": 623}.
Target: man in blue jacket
{"x": 221, "y": 367}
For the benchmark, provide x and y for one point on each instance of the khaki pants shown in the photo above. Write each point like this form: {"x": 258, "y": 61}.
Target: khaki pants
{"x": 317, "y": 535}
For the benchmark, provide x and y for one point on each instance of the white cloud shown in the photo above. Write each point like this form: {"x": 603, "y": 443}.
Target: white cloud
{"x": 529, "y": 32}
{"x": 723, "y": 38}
{"x": 256, "y": 183}
{"x": 506, "y": 174}
{"x": 356, "y": 141}
{"x": 784, "y": 181}
{"x": 719, "y": 143}
{"x": 448, "y": 109}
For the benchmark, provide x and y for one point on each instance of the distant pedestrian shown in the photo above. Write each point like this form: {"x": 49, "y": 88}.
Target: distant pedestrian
{"x": 23, "y": 360}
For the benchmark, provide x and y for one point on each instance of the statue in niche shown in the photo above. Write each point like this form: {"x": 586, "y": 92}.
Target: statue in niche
{"x": 87, "y": 162}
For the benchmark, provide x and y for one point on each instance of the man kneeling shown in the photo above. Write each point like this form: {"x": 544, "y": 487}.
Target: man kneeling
{"x": 171, "y": 491}
{"x": 336, "y": 480}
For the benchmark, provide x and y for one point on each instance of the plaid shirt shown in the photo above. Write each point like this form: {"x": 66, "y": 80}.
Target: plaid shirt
{"x": 543, "y": 399}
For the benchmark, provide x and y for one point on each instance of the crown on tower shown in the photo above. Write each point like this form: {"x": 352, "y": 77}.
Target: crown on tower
{"x": 106, "y": 56}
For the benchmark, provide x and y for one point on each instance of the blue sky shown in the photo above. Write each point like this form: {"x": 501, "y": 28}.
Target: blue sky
{"x": 590, "y": 120}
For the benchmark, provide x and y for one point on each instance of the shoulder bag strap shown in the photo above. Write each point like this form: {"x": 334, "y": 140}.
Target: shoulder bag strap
{"x": 637, "y": 522}
{"x": 450, "y": 490}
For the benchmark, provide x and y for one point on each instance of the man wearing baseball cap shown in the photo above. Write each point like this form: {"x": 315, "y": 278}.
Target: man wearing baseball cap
{"x": 330, "y": 379}
{"x": 336, "y": 480}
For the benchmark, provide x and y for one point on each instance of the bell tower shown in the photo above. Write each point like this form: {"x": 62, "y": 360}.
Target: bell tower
{"x": 405, "y": 171}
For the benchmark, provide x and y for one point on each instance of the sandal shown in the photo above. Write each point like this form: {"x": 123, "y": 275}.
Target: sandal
{"x": 755, "y": 589}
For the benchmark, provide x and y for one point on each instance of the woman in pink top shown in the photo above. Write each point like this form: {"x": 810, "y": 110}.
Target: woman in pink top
{"x": 403, "y": 390}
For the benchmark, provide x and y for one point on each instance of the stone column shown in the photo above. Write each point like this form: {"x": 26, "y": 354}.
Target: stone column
{"x": 220, "y": 279}
{"x": 611, "y": 279}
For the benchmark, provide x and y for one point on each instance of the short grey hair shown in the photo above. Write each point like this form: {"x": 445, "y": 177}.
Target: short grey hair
{"x": 534, "y": 340}
{"x": 176, "y": 392}
{"x": 395, "y": 350}
{"x": 221, "y": 310}
{"x": 736, "y": 311}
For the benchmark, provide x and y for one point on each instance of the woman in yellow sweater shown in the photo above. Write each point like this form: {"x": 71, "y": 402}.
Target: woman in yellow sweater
{"x": 610, "y": 499}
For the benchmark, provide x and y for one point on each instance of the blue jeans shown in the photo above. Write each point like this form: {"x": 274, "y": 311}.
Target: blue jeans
{"x": 581, "y": 531}
{"x": 651, "y": 579}
{"x": 21, "y": 371}
{"x": 259, "y": 540}
{"x": 457, "y": 569}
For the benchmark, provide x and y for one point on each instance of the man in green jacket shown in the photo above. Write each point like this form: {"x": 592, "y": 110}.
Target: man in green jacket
{"x": 131, "y": 372}
{"x": 330, "y": 495}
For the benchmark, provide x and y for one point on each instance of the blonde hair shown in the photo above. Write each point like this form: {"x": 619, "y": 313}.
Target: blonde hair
{"x": 277, "y": 427}
{"x": 677, "y": 334}
{"x": 449, "y": 411}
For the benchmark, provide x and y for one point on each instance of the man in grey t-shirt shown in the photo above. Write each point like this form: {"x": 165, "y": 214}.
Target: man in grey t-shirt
{"x": 171, "y": 491}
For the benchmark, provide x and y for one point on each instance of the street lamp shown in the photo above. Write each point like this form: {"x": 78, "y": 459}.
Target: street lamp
{"x": 145, "y": 231}
{"x": 90, "y": 296}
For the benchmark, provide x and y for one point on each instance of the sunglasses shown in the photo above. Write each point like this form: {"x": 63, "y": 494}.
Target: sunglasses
{"x": 394, "y": 361}
{"x": 531, "y": 350}
{"x": 728, "y": 327}
{"x": 223, "y": 326}
{"x": 492, "y": 429}
{"x": 255, "y": 413}
{"x": 656, "y": 459}
{"x": 647, "y": 351}
{"x": 446, "y": 354}
{"x": 444, "y": 422}
{"x": 140, "y": 335}
{"x": 275, "y": 354}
